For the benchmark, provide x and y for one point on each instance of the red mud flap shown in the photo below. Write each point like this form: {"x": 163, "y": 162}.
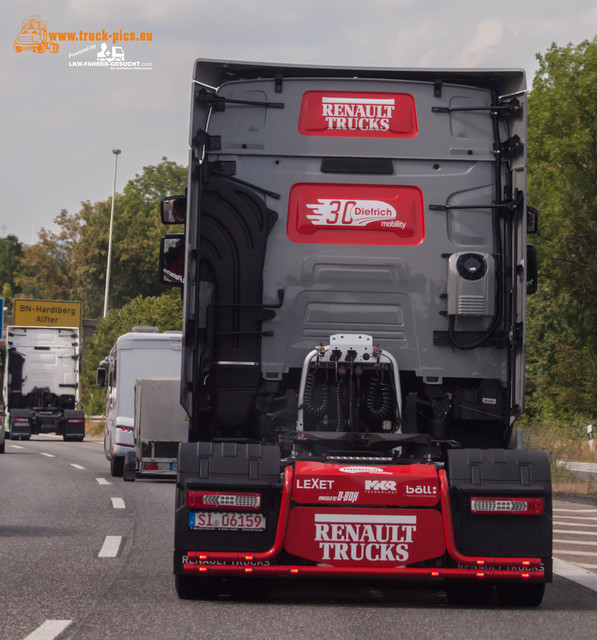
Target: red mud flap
{"x": 367, "y": 533}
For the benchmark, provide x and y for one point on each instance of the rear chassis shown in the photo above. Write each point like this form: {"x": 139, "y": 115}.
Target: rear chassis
{"x": 152, "y": 459}
{"x": 68, "y": 423}
{"x": 455, "y": 547}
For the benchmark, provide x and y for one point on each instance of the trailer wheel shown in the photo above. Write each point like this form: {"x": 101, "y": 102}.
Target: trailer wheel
{"x": 192, "y": 588}
{"x": 521, "y": 595}
{"x": 117, "y": 466}
{"x": 2, "y": 447}
{"x": 466, "y": 593}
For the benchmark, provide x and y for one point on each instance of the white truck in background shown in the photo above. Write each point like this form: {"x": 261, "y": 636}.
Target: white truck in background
{"x": 41, "y": 383}
{"x": 140, "y": 353}
{"x": 160, "y": 425}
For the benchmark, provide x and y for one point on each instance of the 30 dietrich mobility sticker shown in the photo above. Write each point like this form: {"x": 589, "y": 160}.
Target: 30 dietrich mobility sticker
{"x": 324, "y": 213}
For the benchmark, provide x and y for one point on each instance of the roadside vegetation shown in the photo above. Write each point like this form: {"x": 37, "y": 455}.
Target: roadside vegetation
{"x": 70, "y": 262}
{"x": 562, "y": 315}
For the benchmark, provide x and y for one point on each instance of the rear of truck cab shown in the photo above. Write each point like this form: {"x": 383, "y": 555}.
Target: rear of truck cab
{"x": 353, "y": 354}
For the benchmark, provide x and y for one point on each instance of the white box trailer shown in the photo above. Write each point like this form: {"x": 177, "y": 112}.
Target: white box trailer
{"x": 143, "y": 352}
{"x": 160, "y": 425}
{"x": 41, "y": 382}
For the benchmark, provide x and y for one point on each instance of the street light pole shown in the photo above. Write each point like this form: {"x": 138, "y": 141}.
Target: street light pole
{"x": 115, "y": 152}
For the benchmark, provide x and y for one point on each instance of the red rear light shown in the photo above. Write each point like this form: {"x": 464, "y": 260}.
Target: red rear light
{"x": 19, "y": 420}
{"x": 75, "y": 420}
{"x": 223, "y": 500}
{"x": 150, "y": 466}
{"x": 507, "y": 506}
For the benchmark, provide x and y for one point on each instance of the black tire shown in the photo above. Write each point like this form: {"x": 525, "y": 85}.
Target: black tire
{"x": 195, "y": 588}
{"x": 2, "y": 447}
{"x": 520, "y": 595}
{"x": 469, "y": 593}
{"x": 117, "y": 466}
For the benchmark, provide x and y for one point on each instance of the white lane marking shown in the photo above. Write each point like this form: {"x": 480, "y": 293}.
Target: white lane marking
{"x": 559, "y": 552}
{"x": 575, "y": 510}
{"x": 575, "y": 573}
{"x": 76, "y": 466}
{"x": 110, "y": 547}
{"x": 585, "y": 542}
{"x": 16, "y": 446}
{"x": 48, "y": 630}
{"x": 117, "y": 503}
{"x": 578, "y": 533}
{"x": 103, "y": 481}
{"x": 48, "y": 455}
{"x": 584, "y": 565}
{"x": 565, "y": 523}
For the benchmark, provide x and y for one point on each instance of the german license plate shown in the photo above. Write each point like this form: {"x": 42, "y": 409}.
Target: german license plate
{"x": 225, "y": 521}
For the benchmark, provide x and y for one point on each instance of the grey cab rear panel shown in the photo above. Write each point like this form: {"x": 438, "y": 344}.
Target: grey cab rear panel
{"x": 389, "y": 203}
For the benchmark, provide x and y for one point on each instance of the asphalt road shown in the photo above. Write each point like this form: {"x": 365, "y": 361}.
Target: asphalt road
{"x": 94, "y": 560}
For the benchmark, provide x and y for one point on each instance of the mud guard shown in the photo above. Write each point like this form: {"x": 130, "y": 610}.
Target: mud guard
{"x": 20, "y": 429}
{"x": 501, "y": 473}
{"x": 229, "y": 466}
{"x": 74, "y": 425}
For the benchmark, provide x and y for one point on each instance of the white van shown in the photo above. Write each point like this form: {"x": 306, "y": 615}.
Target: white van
{"x": 141, "y": 353}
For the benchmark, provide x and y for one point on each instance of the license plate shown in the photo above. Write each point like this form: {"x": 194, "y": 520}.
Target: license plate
{"x": 226, "y": 521}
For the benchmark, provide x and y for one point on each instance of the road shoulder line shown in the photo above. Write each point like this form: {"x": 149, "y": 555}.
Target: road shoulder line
{"x": 48, "y": 630}
{"x": 575, "y": 573}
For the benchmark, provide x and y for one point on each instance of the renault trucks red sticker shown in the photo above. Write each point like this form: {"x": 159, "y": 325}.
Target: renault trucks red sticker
{"x": 356, "y": 214}
{"x": 380, "y": 537}
{"x": 358, "y": 114}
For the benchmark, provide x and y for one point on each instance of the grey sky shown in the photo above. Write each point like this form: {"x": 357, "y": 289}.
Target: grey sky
{"x": 60, "y": 123}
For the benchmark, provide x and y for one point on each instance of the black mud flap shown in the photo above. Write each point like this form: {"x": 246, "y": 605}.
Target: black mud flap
{"x": 74, "y": 425}
{"x": 20, "y": 424}
{"x": 499, "y": 473}
{"x": 229, "y": 467}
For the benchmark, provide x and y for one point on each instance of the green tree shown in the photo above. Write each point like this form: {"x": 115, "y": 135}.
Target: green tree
{"x": 11, "y": 256}
{"x": 135, "y": 240}
{"x": 562, "y": 345}
{"x": 164, "y": 312}
{"x": 50, "y": 269}
{"x": 70, "y": 264}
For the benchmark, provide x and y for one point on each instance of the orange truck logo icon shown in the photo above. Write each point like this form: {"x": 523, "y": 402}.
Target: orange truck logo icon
{"x": 33, "y": 36}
